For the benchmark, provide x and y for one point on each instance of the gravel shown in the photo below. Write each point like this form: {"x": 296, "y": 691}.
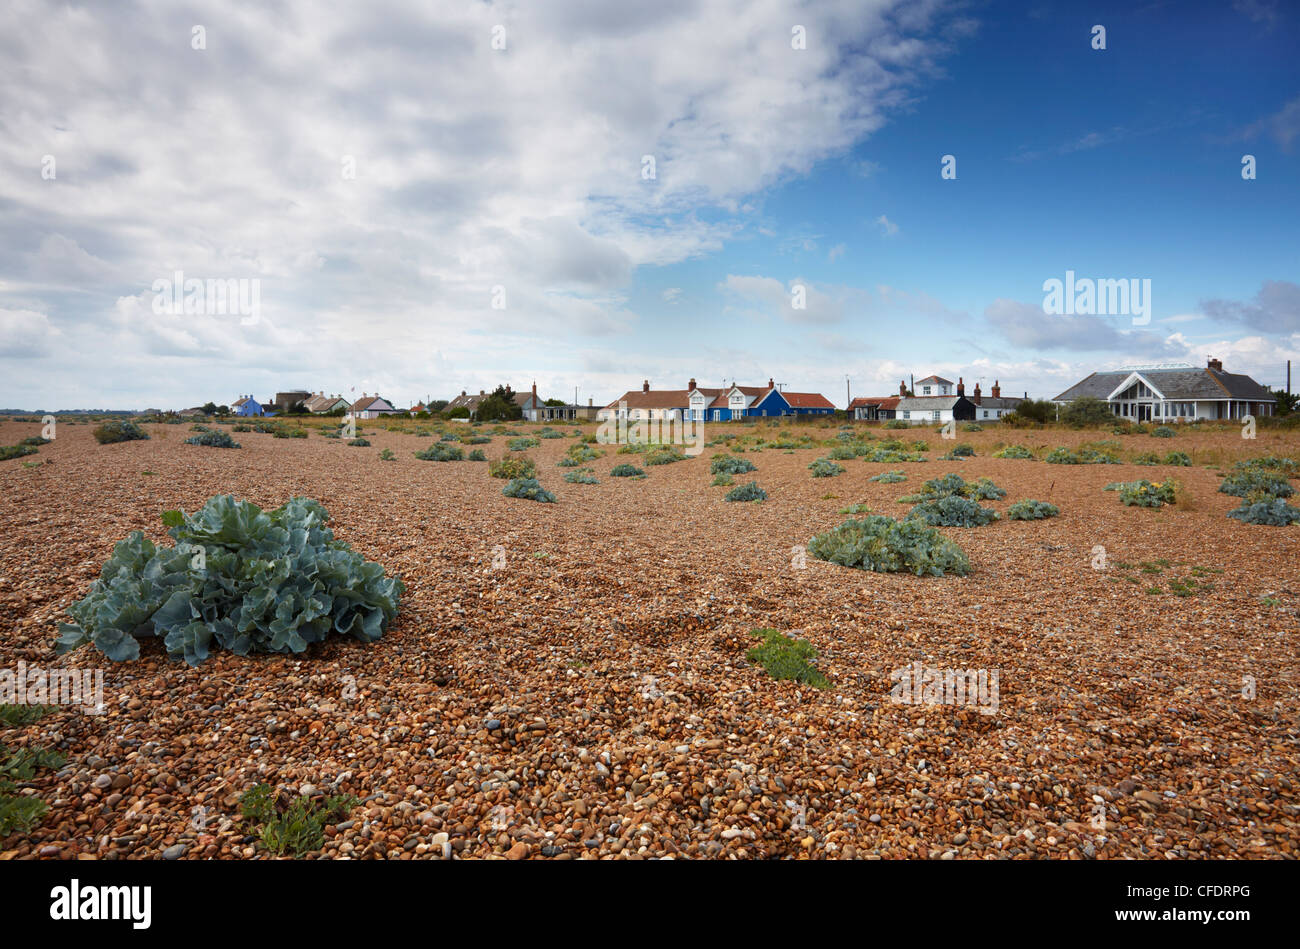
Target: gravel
{"x": 593, "y": 699}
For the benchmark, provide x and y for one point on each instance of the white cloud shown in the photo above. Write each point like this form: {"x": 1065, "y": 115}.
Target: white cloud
{"x": 887, "y": 227}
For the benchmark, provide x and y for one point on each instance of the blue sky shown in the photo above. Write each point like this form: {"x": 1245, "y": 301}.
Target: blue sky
{"x": 520, "y": 169}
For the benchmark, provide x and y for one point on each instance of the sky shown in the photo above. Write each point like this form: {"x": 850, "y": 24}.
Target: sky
{"x": 425, "y": 198}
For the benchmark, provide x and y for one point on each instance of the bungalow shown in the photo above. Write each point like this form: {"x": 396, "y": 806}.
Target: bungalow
{"x": 467, "y": 402}
{"x": 322, "y": 404}
{"x": 873, "y": 408}
{"x": 284, "y": 401}
{"x": 529, "y": 404}
{"x": 246, "y": 406}
{"x": 991, "y": 407}
{"x": 568, "y": 412}
{"x": 418, "y": 407}
{"x": 1175, "y": 393}
{"x": 729, "y": 403}
{"x": 372, "y": 406}
{"x": 938, "y": 404}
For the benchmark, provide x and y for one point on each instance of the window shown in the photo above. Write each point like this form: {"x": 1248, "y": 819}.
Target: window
{"x": 925, "y": 390}
{"x": 986, "y": 413}
{"x": 907, "y": 415}
{"x": 935, "y": 415}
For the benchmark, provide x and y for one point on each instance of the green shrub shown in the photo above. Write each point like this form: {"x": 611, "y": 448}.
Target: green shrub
{"x": 1286, "y": 466}
{"x": 477, "y": 440}
{"x": 387, "y": 455}
{"x": 529, "y": 489}
{"x": 580, "y": 476}
{"x": 885, "y": 456}
{"x": 664, "y": 456}
{"x": 972, "y": 427}
{"x": 746, "y": 492}
{"x": 1256, "y": 481}
{"x": 1275, "y": 512}
{"x": 722, "y": 480}
{"x": 885, "y": 545}
{"x": 843, "y": 452}
{"x": 211, "y": 439}
{"x": 297, "y": 827}
{"x": 952, "y": 511}
{"x": 897, "y": 423}
{"x": 985, "y": 490}
{"x": 889, "y": 477}
{"x": 477, "y": 455}
{"x": 1163, "y": 431}
{"x": 449, "y": 437}
{"x": 1147, "y": 458}
{"x": 283, "y": 432}
{"x": 1178, "y": 459}
{"x": 785, "y": 658}
{"x": 440, "y": 451}
{"x": 825, "y": 468}
{"x": 244, "y": 427}
{"x": 1147, "y": 494}
{"x": 578, "y": 454}
{"x": 35, "y": 441}
{"x": 1031, "y": 510}
{"x": 730, "y": 464}
{"x": 359, "y": 443}
{"x": 1014, "y": 451}
{"x": 513, "y": 468}
{"x": 522, "y": 444}
{"x": 240, "y": 578}
{"x": 550, "y": 433}
{"x": 119, "y": 431}
{"x": 626, "y": 471}
{"x": 15, "y": 451}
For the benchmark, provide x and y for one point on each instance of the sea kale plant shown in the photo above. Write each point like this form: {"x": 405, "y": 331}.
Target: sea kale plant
{"x": 529, "y": 489}
{"x": 119, "y": 431}
{"x": 1247, "y": 481}
{"x": 825, "y": 468}
{"x": 212, "y": 439}
{"x": 1264, "y": 510}
{"x": 730, "y": 464}
{"x": 746, "y": 492}
{"x": 885, "y": 545}
{"x": 952, "y": 511}
{"x": 238, "y": 578}
{"x": 1031, "y": 510}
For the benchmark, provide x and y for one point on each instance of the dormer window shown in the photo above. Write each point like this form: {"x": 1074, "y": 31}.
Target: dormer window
{"x": 925, "y": 390}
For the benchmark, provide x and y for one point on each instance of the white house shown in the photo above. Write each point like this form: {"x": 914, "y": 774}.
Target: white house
{"x": 373, "y": 406}
{"x": 1175, "y": 393}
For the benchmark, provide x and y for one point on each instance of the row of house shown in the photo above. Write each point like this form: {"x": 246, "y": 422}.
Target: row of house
{"x": 1154, "y": 393}
{"x": 706, "y": 404}
{"x": 934, "y": 400}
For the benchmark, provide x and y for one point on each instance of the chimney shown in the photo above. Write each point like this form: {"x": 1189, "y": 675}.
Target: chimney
{"x": 645, "y": 386}
{"x": 770, "y": 383}
{"x": 1215, "y": 364}
{"x": 590, "y": 401}
{"x": 902, "y": 389}
{"x": 534, "y": 390}
{"x": 961, "y": 386}
{"x": 691, "y": 387}
{"x": 977, "y": 397}
{"x": 996, "y": 391}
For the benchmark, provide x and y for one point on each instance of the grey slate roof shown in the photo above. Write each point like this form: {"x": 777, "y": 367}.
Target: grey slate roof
{"x": 927, "y": 403}
{"x": 1175, "y": 384}
{"x": 1001, "y": 402}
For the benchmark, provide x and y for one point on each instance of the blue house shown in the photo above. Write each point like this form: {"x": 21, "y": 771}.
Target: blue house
{"x": 778, "y": 403}
{"x": 246, "y": 405}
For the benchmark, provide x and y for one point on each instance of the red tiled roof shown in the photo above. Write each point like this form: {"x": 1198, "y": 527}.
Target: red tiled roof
{"x": 807, "y": 400}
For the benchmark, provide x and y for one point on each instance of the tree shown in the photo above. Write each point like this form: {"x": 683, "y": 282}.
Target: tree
{"x": 459, "y": 411}
{"x": 223, "y": 410}
{"x": 1287, "y": 402}
{"x": 1037, "y": 410}
{"x": 554, "y": 402}
{"x": 1087, "y": 410}
{"x": 209, "y": 408}
{"x": 436, "y": 406}
{"x": 499, "y": 406}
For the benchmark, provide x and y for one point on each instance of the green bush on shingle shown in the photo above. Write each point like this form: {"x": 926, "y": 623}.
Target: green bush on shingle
{"x": 825, "y": 468}
{"x": 580, "y": 476}
{"x": 513, "y": 468}
{"x": 1031, "y": 510}
{"x": 746, "y": 492}
{"x": 783, "y": 657}
{"x": 211, "y": 439}
{"x": 439, "y": 451}
{"x": 239, "y": 578}
{"x": 1014, "y": 451}
{"x": 529, "y": 489}
{"x": 119, "y": 431}
{"x": 1275, "y": 512}
{"x": 1163, "y": 431}
{"x": 626, "y": 471}
{"x": 729, "y": 464}
{"x": 884, "y": 545}
{"x": 1256, "y": 481}
{"x": 889, "y": 477}
{"x": 952, "y": 511}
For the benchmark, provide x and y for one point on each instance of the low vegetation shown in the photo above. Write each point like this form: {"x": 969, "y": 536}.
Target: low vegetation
{"x": 529, "y": 489}
{"x": 238, "y": 578}
{"x": 119, "y": 431}
{"x": 293, "y": 826}
{"x": 746, "y": 492}
{"x": 1031, "y": 510}
{"x": 210, "y": 439}
{"x": 783, "y": 657}
{"x": 885, "y": 545}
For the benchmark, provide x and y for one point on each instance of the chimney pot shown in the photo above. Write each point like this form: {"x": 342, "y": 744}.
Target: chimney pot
{"x": 645, "y": 386}
{"x": 691, "y": 388}
{"x": 902, "y": 389}
{"x": 961, "y": 386}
